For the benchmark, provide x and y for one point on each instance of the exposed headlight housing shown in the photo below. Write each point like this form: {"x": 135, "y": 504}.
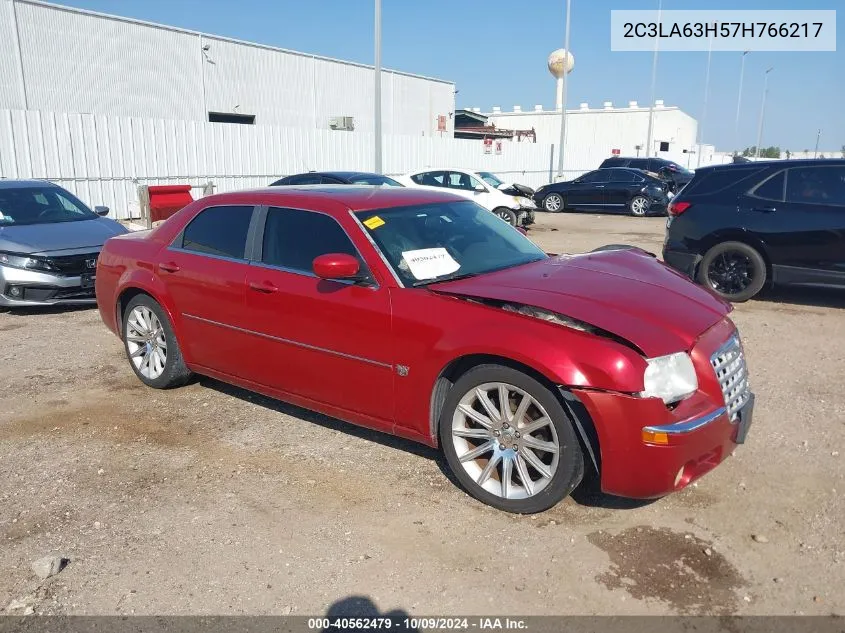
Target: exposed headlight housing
{"x": 524, "y": 203}
{"x": 26, "y": 262}
{"x": 670, "y": 378}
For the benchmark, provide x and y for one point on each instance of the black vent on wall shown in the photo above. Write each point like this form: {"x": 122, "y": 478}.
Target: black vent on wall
{"x": 224, "y": 117}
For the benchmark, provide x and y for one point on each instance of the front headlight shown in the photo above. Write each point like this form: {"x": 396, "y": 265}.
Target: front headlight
{"x": 670, "y": 378}
{"x": 22, "y": 261}
{"x": 524, "y": 203}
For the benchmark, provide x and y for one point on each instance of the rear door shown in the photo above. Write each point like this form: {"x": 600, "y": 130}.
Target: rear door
{"x": 205, "y": 272}
{"x": 618, "y": 190}
{"x": 430, "y": 179}
{"x": 804, "y": 209}
{"x": 588, "y": 191}
{"x": 328, "y": 341}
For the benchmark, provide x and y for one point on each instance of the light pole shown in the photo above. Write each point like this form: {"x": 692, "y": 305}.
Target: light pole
{"x": 650, "y": 135}
{"x": 377, "y": 95}
{"x": 706, "y": 92}
{"x": 762, "y": 112}
{"x": 739, "y": 100}
{"x": 816, "y": 151}
{"x": 563, "y": 90}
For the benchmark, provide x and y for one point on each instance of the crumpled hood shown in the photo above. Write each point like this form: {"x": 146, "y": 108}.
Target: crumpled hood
{"x": 626, "y": 292}
{"x": 53, "y": 238}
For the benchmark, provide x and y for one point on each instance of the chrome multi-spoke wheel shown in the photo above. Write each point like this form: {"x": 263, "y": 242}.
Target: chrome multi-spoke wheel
{"x": 146, "y": 343}
{"x": 553, "y": 203}
{"x": 151, "y": 345}
{"x": 640, "y": 206}
{"x": 509, "y": 441}
{"x": 505, "y": 440}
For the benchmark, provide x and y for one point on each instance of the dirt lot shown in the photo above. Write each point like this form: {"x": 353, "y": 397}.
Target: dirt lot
{"x": 207, "y": 499}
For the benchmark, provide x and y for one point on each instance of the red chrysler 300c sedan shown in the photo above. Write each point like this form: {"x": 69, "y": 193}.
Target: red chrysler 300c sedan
{"x": 421, "y": 314}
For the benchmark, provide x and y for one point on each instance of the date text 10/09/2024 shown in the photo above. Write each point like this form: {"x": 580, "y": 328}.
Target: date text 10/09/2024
{"x": 412, "y": 624}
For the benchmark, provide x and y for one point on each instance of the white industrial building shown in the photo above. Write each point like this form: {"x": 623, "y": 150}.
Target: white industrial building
{"x": 58, "y": 59}
{"x": 593, "y": 134}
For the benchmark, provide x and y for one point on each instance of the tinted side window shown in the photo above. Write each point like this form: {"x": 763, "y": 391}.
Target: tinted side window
{"x": 771, "y": 189}
{"x": 220, "y": 231}
{"x": 293, "y": 238}
{"x": 430, "y": 178}
{"x": 816, "y": 185}
{"x": 612, "y": 162}
{"x": 721, "y": 179}
{"x": 641, "y": 163}
{"x": 620, "y": 175}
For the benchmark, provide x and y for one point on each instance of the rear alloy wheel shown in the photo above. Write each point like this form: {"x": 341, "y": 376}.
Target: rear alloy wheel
{"x": 151, "y": 345}
{"x": 639, "y": 206}
{"x": 553, "y": 203}
{"x": 508, "y": 441}
{"x": 736, "y": 271}
{"x": 507, "y": 215}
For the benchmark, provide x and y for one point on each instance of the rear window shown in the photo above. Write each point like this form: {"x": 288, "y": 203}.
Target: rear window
{"x": 219, "y": 231}
{"x": 717, "y": 180}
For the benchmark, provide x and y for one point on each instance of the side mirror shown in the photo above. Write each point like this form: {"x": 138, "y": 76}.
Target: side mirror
{"x": 101, "y": 211}
{"x": 480, "y": 189}
{"x": 336, "y": 266}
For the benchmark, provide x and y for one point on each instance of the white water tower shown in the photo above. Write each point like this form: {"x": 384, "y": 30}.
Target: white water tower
{"x": 561, "y": 62}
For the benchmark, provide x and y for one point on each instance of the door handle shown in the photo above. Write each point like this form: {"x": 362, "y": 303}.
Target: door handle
{"x": 262, "y": 286}
{"x": 169, "y": 267}
{"x": 599, "y": 186}
{"x": 765, "y": 209}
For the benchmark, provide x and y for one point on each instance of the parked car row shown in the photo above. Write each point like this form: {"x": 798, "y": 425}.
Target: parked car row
{"x": 513, "y": 203}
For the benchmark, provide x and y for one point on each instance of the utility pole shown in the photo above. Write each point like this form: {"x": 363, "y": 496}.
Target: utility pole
{"x": 739, "y": 100}
{"x": 706, "y": 92}
{"x": 650, "y": 136}
{"x": 377, "y": 95}
{"x": 563, "y": 91}
{"x": 762, "y": 113}
{"x": 818, "y": 136}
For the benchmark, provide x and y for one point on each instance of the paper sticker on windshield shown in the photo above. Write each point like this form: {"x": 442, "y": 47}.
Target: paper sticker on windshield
{"x": 373, "y": 222}
{"x": 428, "y": 263}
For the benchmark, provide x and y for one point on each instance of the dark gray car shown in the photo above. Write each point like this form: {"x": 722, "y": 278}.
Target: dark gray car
{"x": 49, "y": 243}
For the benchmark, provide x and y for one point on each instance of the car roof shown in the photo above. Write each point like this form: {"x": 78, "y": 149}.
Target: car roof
{"x": 333, "y": 198}
{"x": 19, "y": 184}
{"x": 338, "y": 174}
{"x": 784, "y": 163}
{"x": 463, "y": 169}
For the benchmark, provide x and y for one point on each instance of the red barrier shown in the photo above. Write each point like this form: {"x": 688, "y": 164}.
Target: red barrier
{"x": 165, "y": 200}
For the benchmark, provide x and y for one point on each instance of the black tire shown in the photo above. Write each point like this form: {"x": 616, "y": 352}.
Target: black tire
{"x": 555, "y": 201}
{"x": 508, "y": 215}
{"x": 733, "y": 270}
{"x": 175, "y": 373}
{"x": 570, "y": 467}
{"x": 639, "y": 205}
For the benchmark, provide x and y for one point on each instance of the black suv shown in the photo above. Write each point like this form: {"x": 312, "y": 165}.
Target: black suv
{"x": 669, "y": 171}
{"x": 737, "y": 228}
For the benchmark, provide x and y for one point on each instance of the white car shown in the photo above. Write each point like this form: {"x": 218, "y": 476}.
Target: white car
{"x": 480, "y": 186}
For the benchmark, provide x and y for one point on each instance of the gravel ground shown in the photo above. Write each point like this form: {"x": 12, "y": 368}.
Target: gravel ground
{"x": 210, "y": 500}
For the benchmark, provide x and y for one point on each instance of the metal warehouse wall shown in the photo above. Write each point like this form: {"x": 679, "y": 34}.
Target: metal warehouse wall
{"x": 592, "y": 134}
{"x": 57, "y": 59}
{"x": 104, "y": 159}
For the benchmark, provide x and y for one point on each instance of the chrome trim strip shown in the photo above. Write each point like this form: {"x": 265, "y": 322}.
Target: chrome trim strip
{"x": 369, "y": 361}
{"x": 224, "y": 258}
{"x": 688, "y": 426}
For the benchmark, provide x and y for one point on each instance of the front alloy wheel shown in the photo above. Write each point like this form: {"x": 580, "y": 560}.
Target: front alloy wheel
{"x": 508, "y": 440}
{"x": 553, "y": 203}
{"x": 640, "y": 205}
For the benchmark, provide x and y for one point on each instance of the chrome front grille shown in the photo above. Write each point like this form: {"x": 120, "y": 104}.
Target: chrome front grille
{"x": 729, "y": 364}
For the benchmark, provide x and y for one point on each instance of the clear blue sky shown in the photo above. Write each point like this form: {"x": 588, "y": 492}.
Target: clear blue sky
{"x": 495, "y": 51}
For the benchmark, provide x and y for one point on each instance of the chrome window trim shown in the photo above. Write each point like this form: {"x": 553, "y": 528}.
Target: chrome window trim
{"x": 315, "y": 348}
{"x": 236, "y": 260}
{"x": 178, "y": 242}
{"x": 375, "y": 246}
{"x": 688, "y": 426}
{"x": 753, "y": 191}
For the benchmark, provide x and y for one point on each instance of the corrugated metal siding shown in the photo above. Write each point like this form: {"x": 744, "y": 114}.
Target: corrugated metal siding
{"x": 104, "y": 159}
{"x": 76, "y": 62}
{"x": 10, "y": 82}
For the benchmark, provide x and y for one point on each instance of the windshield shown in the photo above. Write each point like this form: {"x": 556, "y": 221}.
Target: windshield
{"x": 436, "y": 242}
{"x": 375, "y": 180}
{"x": 491, "y": 179}
{"x": 40, "y": 205}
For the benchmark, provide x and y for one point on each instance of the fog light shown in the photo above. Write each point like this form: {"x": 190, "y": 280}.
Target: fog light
{"x": 15, "y": 291}
{"x": 655, "y": 437}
